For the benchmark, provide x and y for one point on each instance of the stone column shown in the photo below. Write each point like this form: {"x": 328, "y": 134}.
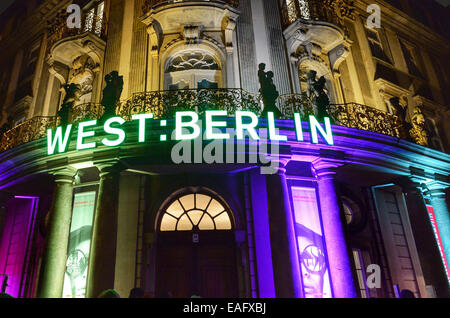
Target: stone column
{"x": 285, "y": 261}
{"x": 437, "y": 197}
{"x": 53, "y": 266}
{"x": 102, "y": 260}
{"x": 333, "y": 226}
{"x": 424, "y": 237}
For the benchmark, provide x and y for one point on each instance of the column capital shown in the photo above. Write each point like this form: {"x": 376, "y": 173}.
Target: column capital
{"x": 279, "y": 169}
{"x": 435, "y": 188}
{"x": 325, "y": 167}
{"x": 109, "y": 167}
{"x": 64, "y": 175}
{"x": 409, "y": 184}
{"x": 435, "y": 192}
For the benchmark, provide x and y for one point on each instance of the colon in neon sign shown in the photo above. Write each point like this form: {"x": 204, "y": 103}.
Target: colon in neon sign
{"x": 58, "y": 140}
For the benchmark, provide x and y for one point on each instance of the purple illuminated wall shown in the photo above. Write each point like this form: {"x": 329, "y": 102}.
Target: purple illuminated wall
{"x": 19, "y": 223}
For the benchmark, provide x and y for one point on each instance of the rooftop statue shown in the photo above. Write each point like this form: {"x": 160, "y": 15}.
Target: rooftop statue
{"x": 268, "y": 91}
{"x": 316, "y": 88}
{"x": 112, "y": 93}
{"x": 72, "y": 95}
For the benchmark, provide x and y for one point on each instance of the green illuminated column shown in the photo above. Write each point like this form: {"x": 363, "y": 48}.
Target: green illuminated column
{"x": 102, "y": 258}
{"x": 53, "y": 266}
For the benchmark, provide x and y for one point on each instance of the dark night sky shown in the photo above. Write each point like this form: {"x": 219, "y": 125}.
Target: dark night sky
{"x": 4, "y": 4}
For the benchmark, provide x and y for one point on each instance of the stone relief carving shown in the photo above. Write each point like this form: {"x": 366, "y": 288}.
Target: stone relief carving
{"x": 418, "y": 131}
{"x": 401, "y": 109}
{"x": 83, "y": 73}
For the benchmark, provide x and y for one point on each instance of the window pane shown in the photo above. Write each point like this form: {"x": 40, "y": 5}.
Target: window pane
{"x": 348, "y": 213}
{"x": 168, "y": 223}
{"x": 184, "y": 224}
{"x": 206, "y": 223}
{"x": 201, "y": 201}
{"x": 175, "y": 209}
{"x": 188, "y": 202}
{"x": 195, "y": 216}
{"x": 215, "y": 208}
{"x": 223, "y": 222}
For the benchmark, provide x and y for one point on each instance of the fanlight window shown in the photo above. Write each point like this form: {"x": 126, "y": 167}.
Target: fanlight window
{"x": 195, "y": 212}
{"x": 193, "y": 61}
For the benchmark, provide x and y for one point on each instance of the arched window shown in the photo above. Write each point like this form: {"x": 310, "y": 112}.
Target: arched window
{"x": 193, "y": 69}
{"x": 195, "y": 211}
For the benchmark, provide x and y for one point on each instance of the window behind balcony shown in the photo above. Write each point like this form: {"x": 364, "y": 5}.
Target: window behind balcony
{"x": 194, "y": 69}
{"x": 94, "y": 18}
{"x": 297, "y": 9}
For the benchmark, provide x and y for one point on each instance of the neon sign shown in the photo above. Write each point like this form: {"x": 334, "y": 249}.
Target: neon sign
{"x": 186, "y": 128}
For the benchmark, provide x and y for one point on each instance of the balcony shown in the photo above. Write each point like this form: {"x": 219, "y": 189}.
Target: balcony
{"x": 310, "y": 11}
{"x": 161, "y": 104}
{"x": 151, "y": 4}
{"x": 91, "y": 24}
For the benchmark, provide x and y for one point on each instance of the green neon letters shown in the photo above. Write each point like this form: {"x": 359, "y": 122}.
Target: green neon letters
{"x": 142, "y": 118}
{"x": 187, "y": 127}
{"x": 115, "y": 131}
{"x": 180, "y": 124}
{"x": 210, "y": 124}
{"x": 83, "y": 134}
{"x": 62, "y": 142}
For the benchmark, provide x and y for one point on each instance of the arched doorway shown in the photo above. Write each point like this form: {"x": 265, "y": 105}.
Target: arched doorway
{"x": 195, "y": 247}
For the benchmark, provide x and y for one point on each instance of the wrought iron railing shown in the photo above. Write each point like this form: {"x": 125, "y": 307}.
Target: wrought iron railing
{"x": 58, "y": 28}
{"x": 164, "y": 104}
{"x": 331, "y": 11}
{"x": 149, "y": 4}
{"x": 87, "y": 111}
{"x": 32, "y": 129}
{"x": 350, "y": 115}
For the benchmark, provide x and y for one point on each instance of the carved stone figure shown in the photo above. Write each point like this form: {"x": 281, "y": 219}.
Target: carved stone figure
{"x": 83, "y": 73}
{"x": 72, "y": 96}
{"x": 316, "y": 88}
{"x": 418, "y": 131}
{"x": 112, "y": 93}
{"x": 268, "y": 91}
{"x": 402, "y": 125}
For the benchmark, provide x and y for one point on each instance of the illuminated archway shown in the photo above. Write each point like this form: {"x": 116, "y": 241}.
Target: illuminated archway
{"x": 195, "y": 211}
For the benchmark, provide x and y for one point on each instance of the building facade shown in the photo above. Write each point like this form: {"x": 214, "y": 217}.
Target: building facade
{"x": 350, "y": 203}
